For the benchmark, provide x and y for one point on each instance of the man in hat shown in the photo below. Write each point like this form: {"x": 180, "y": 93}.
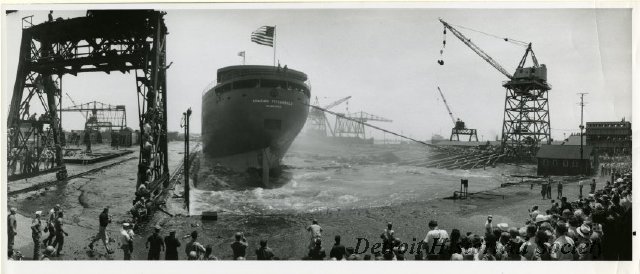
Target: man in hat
{"x": 583, "y": 243}
{"x": 104, "y": 220}
{"x": 36, "y": 234}
{"x": 13, "y": 227}
{"x": 126, "y": 241}
{"x": 155, "y": 244}
{"x": 239, "y": 246}
{"x": 194, "y": 245}
{"x": 48, "y": 253}
{"x": 315, "y": 231}
{"x": 171, "y": 246}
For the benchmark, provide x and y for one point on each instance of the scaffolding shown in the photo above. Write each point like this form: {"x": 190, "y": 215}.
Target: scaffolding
{"x": 102, "y": 41}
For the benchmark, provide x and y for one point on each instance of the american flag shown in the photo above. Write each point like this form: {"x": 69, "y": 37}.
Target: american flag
{"x": 264, "y": 35}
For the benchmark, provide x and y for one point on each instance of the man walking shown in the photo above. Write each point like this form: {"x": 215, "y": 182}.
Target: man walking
{"x": 155, "y": 244}
{"x": 549, "y": 188}
{"x": 593, "y": 186}
{"x": 13, "y": 227}
{"x": 36, "y": 234}
{"x": 104, "y": 220}
{"x": 171, "y": 246}
{"x": 51, "y": 220}
{"x": 60, "y": 234}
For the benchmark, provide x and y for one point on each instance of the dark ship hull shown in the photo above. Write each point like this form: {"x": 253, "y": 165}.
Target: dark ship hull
{"x": 251, "y": 117}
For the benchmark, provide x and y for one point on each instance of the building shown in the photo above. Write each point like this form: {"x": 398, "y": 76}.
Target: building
{"x": 566, "y": 160}
{"x": 612, "y": 138}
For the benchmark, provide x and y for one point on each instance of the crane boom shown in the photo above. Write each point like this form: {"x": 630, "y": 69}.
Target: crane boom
{"x": 476, "y": 49}
{"x": 453, "y": 119}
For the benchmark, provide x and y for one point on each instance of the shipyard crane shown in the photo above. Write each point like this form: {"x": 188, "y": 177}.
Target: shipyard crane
{"x": 459, "y": 128}
{"x": 318, "y": 119}
{"x": 526, "y": 121}
{"x": 353, "y": 124}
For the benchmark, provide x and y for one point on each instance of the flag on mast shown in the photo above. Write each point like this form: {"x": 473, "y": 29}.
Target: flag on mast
{"x": 264, "y": 35}
{"x": 241, "y": 54}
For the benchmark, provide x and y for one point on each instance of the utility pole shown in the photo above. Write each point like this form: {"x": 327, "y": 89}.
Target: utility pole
{"x": 581, "y": 130}
{"x": 185, "y": 124}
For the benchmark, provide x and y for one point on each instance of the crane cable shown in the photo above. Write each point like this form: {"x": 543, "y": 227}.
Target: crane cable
{"x": 506, "y": 39}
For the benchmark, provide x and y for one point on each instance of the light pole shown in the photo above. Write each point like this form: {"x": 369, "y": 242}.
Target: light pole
{"x": 582, "y": 169}
{"x": 185, "y": 124}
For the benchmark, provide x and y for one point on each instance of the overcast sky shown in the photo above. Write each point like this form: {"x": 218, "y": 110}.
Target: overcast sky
{"x": 385, "y": 59}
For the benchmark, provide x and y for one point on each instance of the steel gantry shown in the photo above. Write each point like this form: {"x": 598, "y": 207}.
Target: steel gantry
{"x": 526, "y": 122}
{"x": 102, "y": 41}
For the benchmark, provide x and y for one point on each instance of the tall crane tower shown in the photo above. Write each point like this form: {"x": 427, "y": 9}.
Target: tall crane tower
{"x": 318, "y": 122}
{"x": 526, "y": 121}
{"x": 459, "y": 128}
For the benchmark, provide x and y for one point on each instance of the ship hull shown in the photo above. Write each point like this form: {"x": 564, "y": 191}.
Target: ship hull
{"x": 252, "y": 128}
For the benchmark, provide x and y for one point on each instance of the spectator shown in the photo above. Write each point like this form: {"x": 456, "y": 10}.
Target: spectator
{"x": 563, "y": 246}
{"x": 171, "y": 244}
{"x": 36, "y": 234}
{"x": 528, "y": 248}
{"x": 60, "y": 233}
{"x": 455, "y": 245}
{"x": 239, "y": 247}
{"x": 155, "y": 244}
{"x": 339, "y": 251}
{"x": 12, "y": 227}
{"x": 264, "y": 253}
{"x": 208, "y": 254}
{"x": 126, "y": 241}
{"x": 435, "y": 241}
{"x": 315, "y": 233}
{"x": 317, "y": 252}
{"x": 468, "y": 252}
{"x": 104, "y": 220}
{"x": 387, "y": 237}
{"x": 194, "y": 246}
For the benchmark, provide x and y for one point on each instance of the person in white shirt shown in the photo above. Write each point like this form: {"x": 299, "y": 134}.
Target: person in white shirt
{"x": 563, "y": 246}
{"x": 435, "y": 241}
{"x": 315, "y": 231}
{"x": 126, "y": 241}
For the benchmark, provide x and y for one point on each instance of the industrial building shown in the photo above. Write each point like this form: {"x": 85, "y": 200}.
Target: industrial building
{"x": 559, "y": 160}
{"x": 609, "y": 138}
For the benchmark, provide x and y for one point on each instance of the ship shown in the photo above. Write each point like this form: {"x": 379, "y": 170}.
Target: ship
{"x": 251, "y": 116}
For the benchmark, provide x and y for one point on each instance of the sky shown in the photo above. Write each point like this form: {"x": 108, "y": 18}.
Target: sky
{"x": 385, "y": 59}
